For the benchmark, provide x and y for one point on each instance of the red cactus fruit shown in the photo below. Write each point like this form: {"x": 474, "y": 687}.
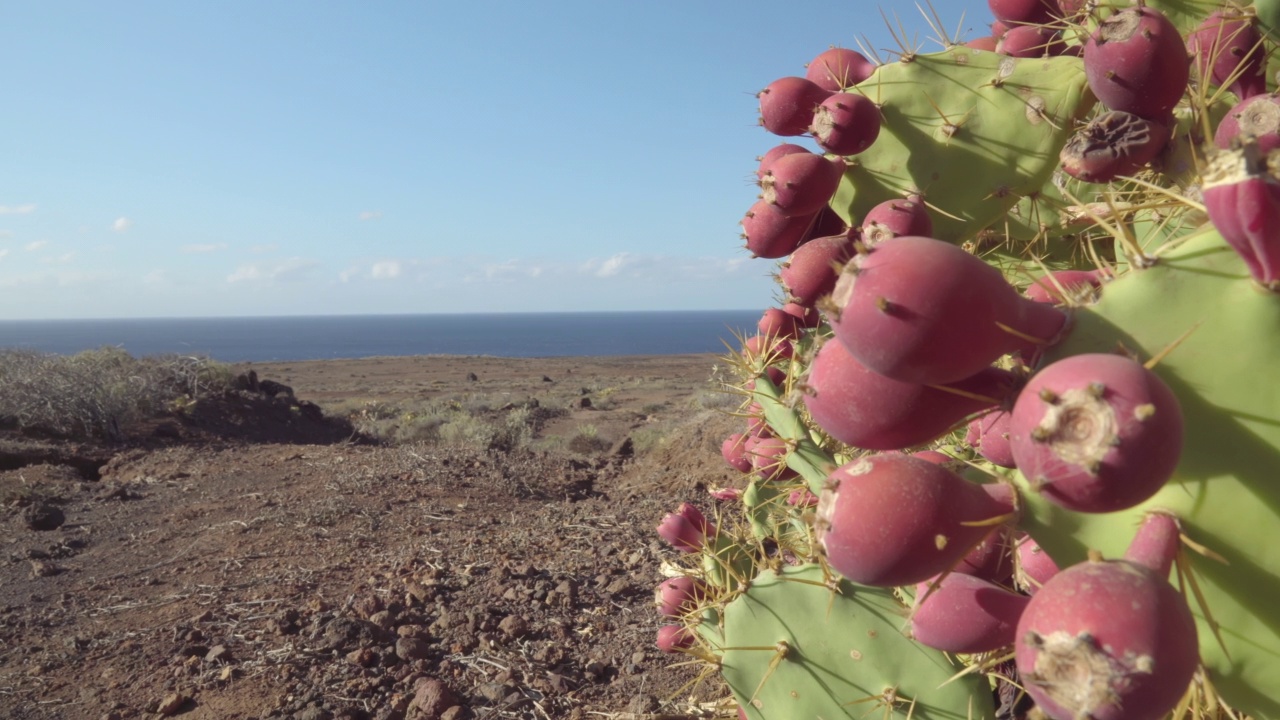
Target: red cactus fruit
{"x": 846, "y": 123}
{"x": 806, "y": 316}
{"x": 1136, "y": 61}
{"x": 774, "y": 153}
{"x": 1156, "y": 543}
{"x": 992, "y": 559}
{"x": 733, "y": 450}
{"x": 965, "y": 614}
{"x": 1070, "y": 8}
{"x": 838, "y": 68}
{"x": 1255, "y": 120}
{"x": 677, "y": 596}
{"x": 801, "y": 183}
{"x": 686, "y": 529}
{"x": 787, "y": 105}
{"x": 986, "y": 42}
{"x": 921, "y": 310}
{"x": 989, "y": 435}
{"x": 1035, "y": 567}
{"x": 756, "y": 425}
{"x": 1228, "y": 51}
{"x": 1107, "y": 640}
{"x": 1242, "y": 194}
{"x": 777, "y": 323}
{"x": 811, "y": 272}
{"x": 892, "y": 519}
{"x": 1018, "y": 12}
{"x": 895, "y": 218}
{"x": 771, "y": 234}
{"x": 1096, "y": 432}
{"x": 727, "y": 494}
{"x": 802, "y": 498}
{"x": 865, "y": 409}
{"x": 674, "y": 638}
{"x": 769, "y": 459}
{"x": 1031, "y": 41}
{"x": 827, "y": 223}
{"x": 1066, "y": 287}
{"x": 1114, "y": 143}
{"x": 933, "y": 456}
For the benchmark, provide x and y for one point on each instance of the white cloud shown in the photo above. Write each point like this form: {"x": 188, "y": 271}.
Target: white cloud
{"x": 260, "y": 249}
{"x": 385, "y": 269}
{"x": 203, "y": 248}
{"x": 26, "y": 209}
{"x": 33, "y": 246}
{"x": 371, "y": 215}
{"x": 6, "y": 234}
{"x": 121, "y": 224}
{"x": 269, "y": 272}
{"x": 613, "y": 265}
{"x": 156, "y": 277}
{"x": 62, "y": 259}
{"x": 3, "y": 252}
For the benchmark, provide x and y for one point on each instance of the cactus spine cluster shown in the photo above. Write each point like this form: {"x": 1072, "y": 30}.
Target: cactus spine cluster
{"x": 1028, "y": 334}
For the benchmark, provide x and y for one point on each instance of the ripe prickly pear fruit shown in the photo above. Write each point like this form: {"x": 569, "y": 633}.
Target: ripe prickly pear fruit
{"x": 774, "y": 153}
{"x": 1156, "y": 543}
{"x": 674, "y": 638}
{"x": 1227, "y": 48}
{"x": 787, "y": 105}
{"x": 810, "y": 274}
{"x": 1255, "y": 120}
{"x": 865, "y": 409}
{"x": 1107, "y": 640}
{"x": 992, "y": 559}
{"x": 1136, "y": 61}
{"x": 1020, "y": 12}
{"x": 807, "y": 317}
{"x": 1031, "y": 41}
{"x": 1096, "y": 432}
{"x": 965, "y": 614}
{"x": 1065, "y": 287}
{"x": 1113, "y": 144}
{"x": 771, "y": 234}
{"x": 1035, "y": 567}
{"x": 769, "y": 459}
{"x": 1242, "y": 195}
{"x": 838, "y": 68}
{"x": 686, "y": 529}
{"x": 677, "y": 596}
{"x": 895, "y": 218}
{"x": 989, "y": 435}
{"x": 846, "y": 123}
{"x": 777, "y": 323}
{"x": 988, "y": 43}
{"x": 892, "y": 519}
{"x": 921, "y": 310}
{"x": 734, "y": 452}
{"x": 801, "y": 183}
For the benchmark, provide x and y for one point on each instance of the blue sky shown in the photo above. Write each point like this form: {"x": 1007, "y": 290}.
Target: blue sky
{"x": 288, "y": 157}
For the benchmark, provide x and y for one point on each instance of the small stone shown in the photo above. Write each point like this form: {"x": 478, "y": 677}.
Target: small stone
{"x": 514, "y": 626}
{"x": 433, "y": 698}
{"x": 457, "y": 712}
{"x": 218, "y": 653}
{"x": 43, "y": 516}
{"x": 171, "y": 703}
{"x": 411, "y": 648}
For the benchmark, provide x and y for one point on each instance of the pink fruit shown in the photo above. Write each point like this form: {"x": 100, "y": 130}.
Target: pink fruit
{"x": 892, "y": 519}
{"x": 1114, "y": 143}
{"x": 771, "y": 234}
{"x": 1156, "y": 543}
{"x": 1242, "y": 195}
{"x": 787, "y": 105}
{"x": 734, "y": 452}
{"x": 1256, "y": 120}
{"x": 1096, "y": 432}
{"x": 802, "y": 498}
{"x": 1107, "y": 640}
{"x": 965, "y": 614}
{"x": 827, "y": 223}
{"x": 1065, "y": 287}
{"x": 801, "y": 183}
{"x": 846, "y": 123}
{"x": 894, "y": 218}
{"x": 986, "y": 42}
{"x": 806, "y": 316}
{"x": 769, "y": 459}
{"x": 1136, "y": 61}
{"x": 992, "y": 559}
{"x": 678, "y": 596}
{"x": 1023, "y": 11}
{"x": 862, "y": 408}
{"x": 686, "y": 529}
{"x": 774, "y": 153}
{"x": 811, "y": 272}
{"x": 728, "y": 494}
{"x": 989, "y": 435}
{"x": 839, "y": 68}
{"x": 1035, "y": 567}
{"x": 1228, "y": 51}
{"x": 674, "y": 638}
{"x": 933, "y": 456}
{"x": 1031, "y": 41}
{"x": 921, "y": 310}
{"x": 777, "y": 323}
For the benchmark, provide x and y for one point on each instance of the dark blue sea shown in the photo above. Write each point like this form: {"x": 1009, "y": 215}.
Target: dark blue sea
{"x": 262, "y": 339}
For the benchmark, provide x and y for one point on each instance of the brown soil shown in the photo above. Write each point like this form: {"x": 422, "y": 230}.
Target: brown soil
{"x": 255, "y": 557}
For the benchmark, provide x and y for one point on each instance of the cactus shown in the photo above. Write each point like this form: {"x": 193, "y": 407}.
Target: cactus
{"x": 1166, "y": 272}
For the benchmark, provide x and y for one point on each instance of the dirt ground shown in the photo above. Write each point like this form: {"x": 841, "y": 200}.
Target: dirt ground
{"x": 255, "y": 558}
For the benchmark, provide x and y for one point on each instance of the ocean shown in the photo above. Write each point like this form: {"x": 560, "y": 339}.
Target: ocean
{"x": 263, "y": 339}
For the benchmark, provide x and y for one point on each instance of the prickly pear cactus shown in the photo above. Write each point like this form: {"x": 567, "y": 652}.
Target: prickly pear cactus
{"x": 1123, "y": 219}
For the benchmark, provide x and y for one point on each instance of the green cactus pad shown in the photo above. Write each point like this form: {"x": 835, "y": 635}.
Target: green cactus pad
{"x": 1226, "y": 374}
{"x": 844, "y": 653}
{"x": 972, "y": 131}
